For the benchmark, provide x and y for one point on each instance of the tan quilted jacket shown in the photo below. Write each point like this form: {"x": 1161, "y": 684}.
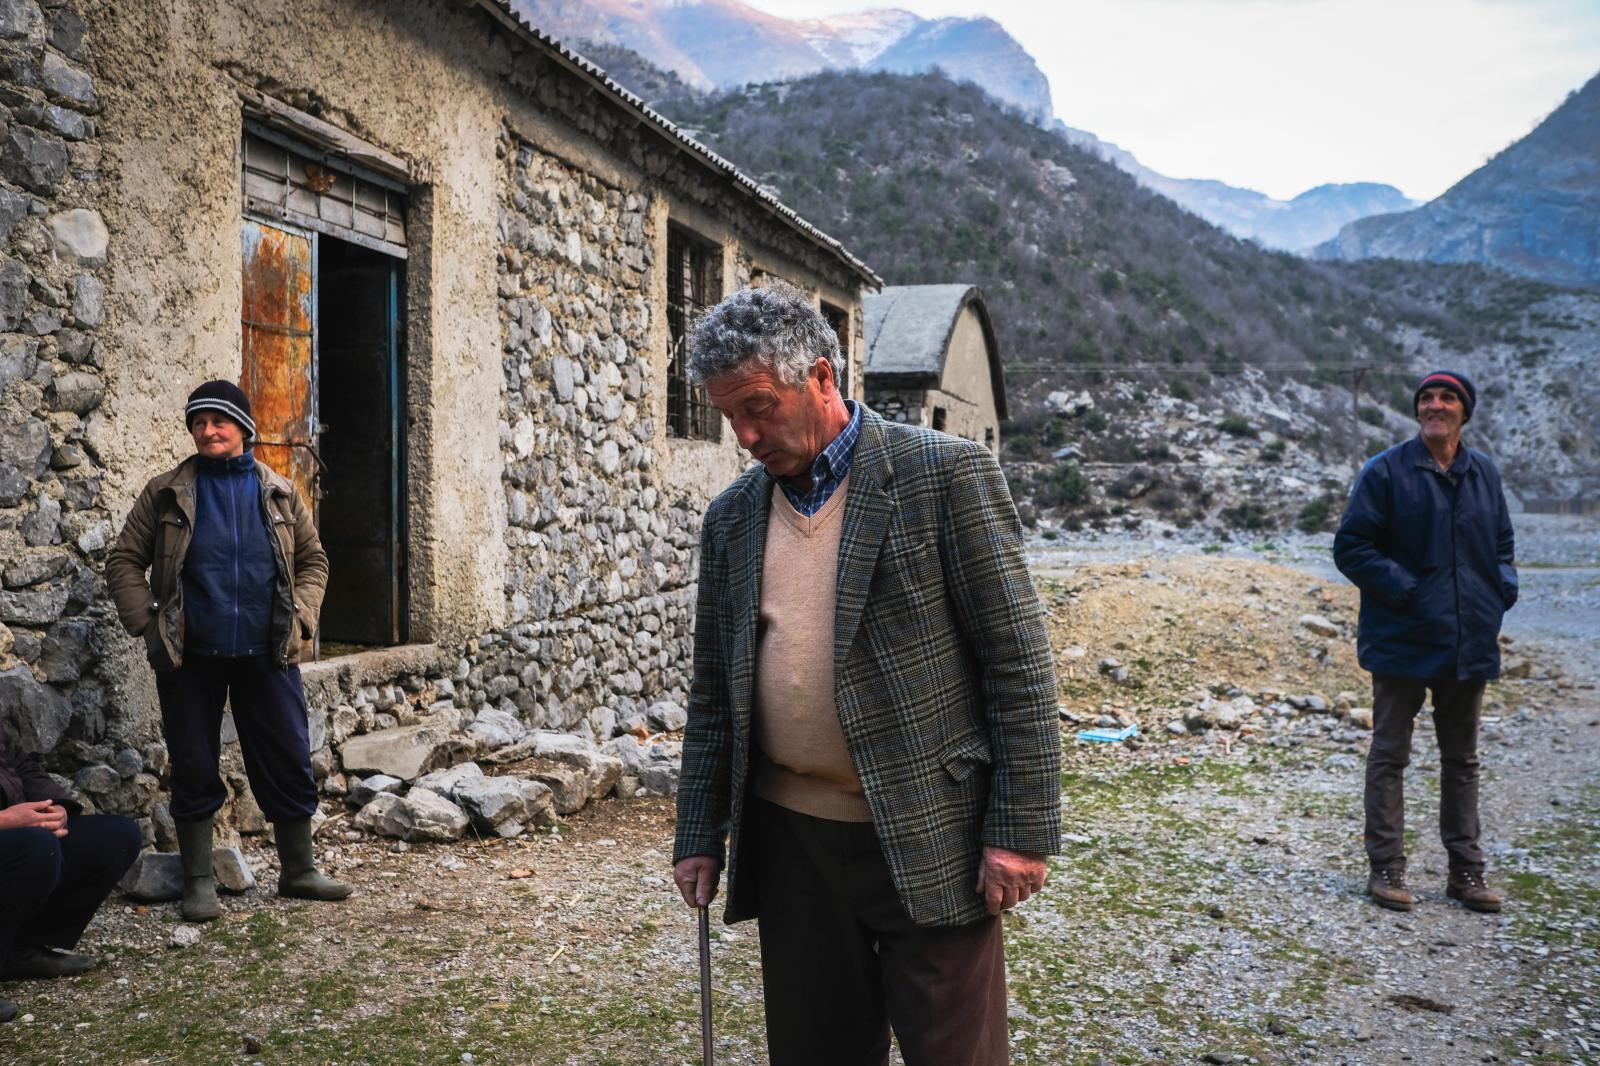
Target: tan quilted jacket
{"x": 155, "y": 538}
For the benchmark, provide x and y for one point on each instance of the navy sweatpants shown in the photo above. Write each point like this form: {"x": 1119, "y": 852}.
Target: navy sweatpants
{"x": 51, "y": 886}
{"x": 269, "y": 711}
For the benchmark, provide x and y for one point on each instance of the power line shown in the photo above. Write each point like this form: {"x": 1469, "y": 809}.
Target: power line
{"x": 1166, "y": 368}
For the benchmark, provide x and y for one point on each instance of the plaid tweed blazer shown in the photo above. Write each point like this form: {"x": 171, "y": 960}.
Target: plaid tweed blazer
{"x": 944, "y": 677}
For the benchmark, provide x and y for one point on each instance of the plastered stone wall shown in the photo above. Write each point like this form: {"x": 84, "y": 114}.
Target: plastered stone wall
{"x": 966, "y": 391}
{"x": 552, "y": 523}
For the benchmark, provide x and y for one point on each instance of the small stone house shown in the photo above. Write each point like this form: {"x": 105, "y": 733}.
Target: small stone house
{"x": 453, "y": 264}
{"x": 932, "y": 360}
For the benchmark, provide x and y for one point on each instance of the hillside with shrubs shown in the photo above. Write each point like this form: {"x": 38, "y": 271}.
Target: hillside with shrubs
{"x": 1158, "y": 370}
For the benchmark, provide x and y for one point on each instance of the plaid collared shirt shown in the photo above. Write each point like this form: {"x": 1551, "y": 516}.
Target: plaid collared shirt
{"x": 829, "y": 468}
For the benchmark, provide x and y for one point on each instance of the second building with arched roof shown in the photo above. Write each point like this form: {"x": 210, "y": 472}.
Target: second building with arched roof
{"x": 932, "y": 360}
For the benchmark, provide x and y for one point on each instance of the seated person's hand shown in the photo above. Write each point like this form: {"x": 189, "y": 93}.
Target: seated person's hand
{"x": 43, "y": 814}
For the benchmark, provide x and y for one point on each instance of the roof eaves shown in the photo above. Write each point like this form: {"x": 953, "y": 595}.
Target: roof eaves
{"x": 503, "y": 10}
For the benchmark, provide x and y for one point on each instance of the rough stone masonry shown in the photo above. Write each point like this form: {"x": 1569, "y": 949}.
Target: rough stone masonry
{"x": 599, "y": 583}
{"x": 54, "y": 529}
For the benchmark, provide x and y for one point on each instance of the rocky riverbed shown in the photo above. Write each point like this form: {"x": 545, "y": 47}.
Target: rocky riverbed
{"x": 1207, "y": 906}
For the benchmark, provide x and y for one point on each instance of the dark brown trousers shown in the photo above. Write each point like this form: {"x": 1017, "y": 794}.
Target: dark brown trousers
{"x": 1395, "y": 703}
{"x": 842, "y": 962}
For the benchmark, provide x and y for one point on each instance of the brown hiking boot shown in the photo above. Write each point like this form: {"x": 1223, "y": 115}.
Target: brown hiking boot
{"x": 1473, "y": 891}
{"x": 1387, "y": 887}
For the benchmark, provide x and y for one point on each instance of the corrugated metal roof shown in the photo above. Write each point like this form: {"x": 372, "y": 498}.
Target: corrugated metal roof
{"x": 513, "y": 19}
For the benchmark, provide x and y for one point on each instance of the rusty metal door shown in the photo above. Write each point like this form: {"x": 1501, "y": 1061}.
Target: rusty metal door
{"x": 279, "y": 368}
{"x": 279, "y": 371}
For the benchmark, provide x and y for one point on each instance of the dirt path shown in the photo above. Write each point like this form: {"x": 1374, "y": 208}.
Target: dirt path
{"x": 1208, "y": 902}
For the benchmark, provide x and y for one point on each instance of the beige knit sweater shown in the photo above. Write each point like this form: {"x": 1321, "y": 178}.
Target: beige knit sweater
{"x": 806, "y": 766}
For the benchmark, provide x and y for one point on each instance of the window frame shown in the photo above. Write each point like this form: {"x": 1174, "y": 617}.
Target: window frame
{"x": 694, "y": 268}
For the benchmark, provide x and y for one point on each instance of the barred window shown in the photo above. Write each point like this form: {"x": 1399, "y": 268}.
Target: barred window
{"x": 691, "y": 288}
{"x": 839, "y": 319}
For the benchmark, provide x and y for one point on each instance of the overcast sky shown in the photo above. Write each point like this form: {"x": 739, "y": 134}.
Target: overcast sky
{"x": 1282, "y": 95}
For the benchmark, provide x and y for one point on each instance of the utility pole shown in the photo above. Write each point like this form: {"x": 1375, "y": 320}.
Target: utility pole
{"x": 1356, "y": 374}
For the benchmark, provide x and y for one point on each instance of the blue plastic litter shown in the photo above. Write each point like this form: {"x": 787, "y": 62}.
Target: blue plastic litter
{"x": 1108, "y": 735}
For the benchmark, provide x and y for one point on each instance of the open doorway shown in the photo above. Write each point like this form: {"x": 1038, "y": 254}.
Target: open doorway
{"x": 324, "y": 251}
{"x": 322, "y": 365}
{"x": 361, "y": 514}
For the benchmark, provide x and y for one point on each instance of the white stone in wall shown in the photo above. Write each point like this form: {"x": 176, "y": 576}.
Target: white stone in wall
{"x": 522, "y": 437}
{"x": 497, "y": 729}
{"x": 80, "y": 235}
{"x": 561, "y": 377}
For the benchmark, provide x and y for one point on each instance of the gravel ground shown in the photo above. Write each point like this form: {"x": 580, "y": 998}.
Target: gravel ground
{"x": 1208, "y": 905}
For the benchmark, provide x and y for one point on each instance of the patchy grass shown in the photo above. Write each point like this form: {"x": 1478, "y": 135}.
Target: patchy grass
{"x": 1213, "y": 904}
{"x": 1146, "y": 946}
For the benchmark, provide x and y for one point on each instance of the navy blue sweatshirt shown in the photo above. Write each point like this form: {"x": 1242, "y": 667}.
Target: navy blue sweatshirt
{"x": 230, "y": 568}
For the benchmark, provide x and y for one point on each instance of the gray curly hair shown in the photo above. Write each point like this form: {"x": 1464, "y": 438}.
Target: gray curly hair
{"x": 774, "y": 326}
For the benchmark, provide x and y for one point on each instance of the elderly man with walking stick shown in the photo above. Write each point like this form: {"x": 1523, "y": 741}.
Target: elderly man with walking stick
{"x": 872, "y": 745}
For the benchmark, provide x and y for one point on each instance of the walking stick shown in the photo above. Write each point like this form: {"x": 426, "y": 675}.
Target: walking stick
{"x": 705, "y": 985}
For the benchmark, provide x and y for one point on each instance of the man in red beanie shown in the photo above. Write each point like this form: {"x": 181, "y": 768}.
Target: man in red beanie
{"x": 1427, "y": 538}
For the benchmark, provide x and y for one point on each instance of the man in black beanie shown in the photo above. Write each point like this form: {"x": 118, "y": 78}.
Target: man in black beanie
{"x": 237, "y": 574}
{"x": 1427, "y": 538}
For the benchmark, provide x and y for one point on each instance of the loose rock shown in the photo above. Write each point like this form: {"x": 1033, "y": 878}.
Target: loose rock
{"x": 1319, "y": 625}
{"x": 419, "y": 816}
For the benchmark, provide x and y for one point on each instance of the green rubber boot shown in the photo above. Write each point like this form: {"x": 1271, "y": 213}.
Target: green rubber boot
{"x": 300, "y": 878}
{"x": 199, "y": 884}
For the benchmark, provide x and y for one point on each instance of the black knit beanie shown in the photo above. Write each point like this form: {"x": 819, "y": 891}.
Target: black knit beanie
{"x": 224, "y": 397}
{"x": 1453, "y": 380}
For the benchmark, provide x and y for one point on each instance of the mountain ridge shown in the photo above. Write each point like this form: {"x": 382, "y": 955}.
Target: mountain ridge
{"x": 1294, "y": 225}
{"x": 723, "y": 44}
{"x": 1533, "y": 209}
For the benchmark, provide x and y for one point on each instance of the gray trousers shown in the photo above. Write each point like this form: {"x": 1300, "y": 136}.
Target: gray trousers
{"x": 1395, "y": 703}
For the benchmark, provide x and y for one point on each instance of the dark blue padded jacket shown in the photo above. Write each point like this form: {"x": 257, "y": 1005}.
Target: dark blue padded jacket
{"x": 230, "y": 569}
{"x": 1433, "y": 555}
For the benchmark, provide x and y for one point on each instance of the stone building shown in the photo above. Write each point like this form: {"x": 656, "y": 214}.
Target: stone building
{"x": 453, "y": 263}
{"x": 932, "y": 360}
